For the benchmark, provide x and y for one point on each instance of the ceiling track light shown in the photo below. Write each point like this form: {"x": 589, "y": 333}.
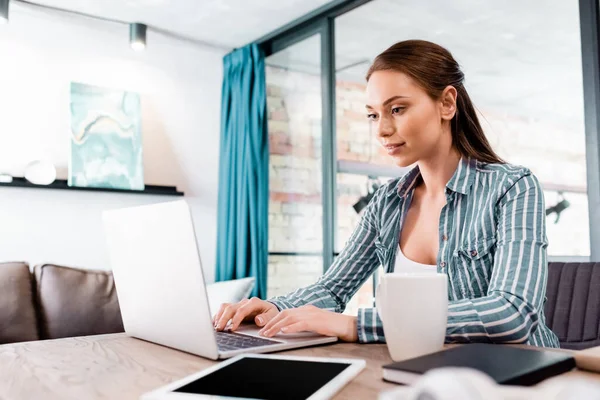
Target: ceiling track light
{"x": 4, "y": 11}
{"x": 137, "y": 31}
{"x": 137, "y": 35}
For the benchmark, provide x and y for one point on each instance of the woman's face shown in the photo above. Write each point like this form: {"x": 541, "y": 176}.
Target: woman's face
{"x": 409, "y": 124}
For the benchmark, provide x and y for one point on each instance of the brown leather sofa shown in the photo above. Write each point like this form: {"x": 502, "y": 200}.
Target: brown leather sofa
{"x": 52, "y": 301}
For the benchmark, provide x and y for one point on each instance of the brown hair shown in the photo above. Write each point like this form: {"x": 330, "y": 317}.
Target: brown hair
{"x": 434, "y": 69}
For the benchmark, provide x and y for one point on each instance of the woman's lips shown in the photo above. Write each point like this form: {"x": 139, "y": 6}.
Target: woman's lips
{"x": 394, "y": 148}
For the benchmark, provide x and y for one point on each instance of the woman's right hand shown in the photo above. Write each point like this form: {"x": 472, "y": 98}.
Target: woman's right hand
{"x": 246, "y": 310}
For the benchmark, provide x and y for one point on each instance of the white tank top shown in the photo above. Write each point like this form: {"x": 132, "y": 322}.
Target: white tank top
{"x": 403, "y": 264}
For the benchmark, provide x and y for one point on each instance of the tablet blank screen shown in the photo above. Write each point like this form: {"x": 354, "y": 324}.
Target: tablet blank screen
{"x": 268, "y": 379}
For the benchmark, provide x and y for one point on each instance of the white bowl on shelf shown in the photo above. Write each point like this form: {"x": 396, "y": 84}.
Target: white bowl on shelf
{"x": 40, "y": 172}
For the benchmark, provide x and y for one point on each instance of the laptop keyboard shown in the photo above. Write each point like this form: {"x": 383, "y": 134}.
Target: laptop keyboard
{"x": 227, "y": 341}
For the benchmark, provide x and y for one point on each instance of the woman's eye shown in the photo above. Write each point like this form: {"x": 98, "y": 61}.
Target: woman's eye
{"x": 396, "y": 110}
{"x": 371, "y": 116}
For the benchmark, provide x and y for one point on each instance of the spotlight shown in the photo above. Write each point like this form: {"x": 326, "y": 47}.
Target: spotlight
{"x": 137, "y": 36}
{"x": 558, "y": 208}
{"x": 372, "y": 186}
{"x": 362, "y": 202}
{"x": 4, "y": 11}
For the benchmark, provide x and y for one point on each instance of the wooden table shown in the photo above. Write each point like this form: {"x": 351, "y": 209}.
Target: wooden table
{"x": 119, "y": 367}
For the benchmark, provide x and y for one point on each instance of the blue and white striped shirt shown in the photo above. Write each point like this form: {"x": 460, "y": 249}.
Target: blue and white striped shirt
{"x": 492, "y": 248}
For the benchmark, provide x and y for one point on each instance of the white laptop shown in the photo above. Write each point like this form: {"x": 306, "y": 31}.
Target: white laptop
{"x": 160, "y": 286}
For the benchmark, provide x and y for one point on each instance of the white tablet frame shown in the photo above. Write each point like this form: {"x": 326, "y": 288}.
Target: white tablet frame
{"x": 324, "y": 393}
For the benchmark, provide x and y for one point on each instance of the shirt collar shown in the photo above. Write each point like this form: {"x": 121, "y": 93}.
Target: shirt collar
{"x": 403, "y": 186}
{"x": 461, "y": 181}
{"x": 463, "y": 177}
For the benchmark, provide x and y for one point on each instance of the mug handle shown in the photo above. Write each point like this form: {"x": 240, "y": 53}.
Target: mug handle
{"x": 378, "y": 297}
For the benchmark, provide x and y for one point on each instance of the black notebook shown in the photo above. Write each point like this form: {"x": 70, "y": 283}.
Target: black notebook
{"x": 505, "y": 364}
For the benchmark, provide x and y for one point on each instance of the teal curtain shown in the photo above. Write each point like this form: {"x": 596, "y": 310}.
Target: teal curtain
{"x": 242, "y": 227}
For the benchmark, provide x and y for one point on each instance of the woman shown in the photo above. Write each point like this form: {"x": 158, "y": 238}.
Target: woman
{"x": 461, "y": 211}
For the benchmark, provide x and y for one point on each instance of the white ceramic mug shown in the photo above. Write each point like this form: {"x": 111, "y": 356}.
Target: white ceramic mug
{"x": 414, "y": 310}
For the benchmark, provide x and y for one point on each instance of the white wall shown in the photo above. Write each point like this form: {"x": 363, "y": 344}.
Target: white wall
{"x": 180, "y": 87}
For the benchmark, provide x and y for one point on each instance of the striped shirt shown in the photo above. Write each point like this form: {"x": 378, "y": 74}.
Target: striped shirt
{"x": 492, "y": 248}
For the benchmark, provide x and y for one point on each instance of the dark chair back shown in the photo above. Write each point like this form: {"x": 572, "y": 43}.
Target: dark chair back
{"x": 573, "y": 304}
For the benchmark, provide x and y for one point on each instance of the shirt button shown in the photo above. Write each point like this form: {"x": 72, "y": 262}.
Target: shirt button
{"x": 473, "y": 253}
{"x": 443, "y": 264}
{"x": 444, "y": 238}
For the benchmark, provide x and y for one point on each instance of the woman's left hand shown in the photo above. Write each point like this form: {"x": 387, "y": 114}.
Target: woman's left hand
{"x": 312, "y": 319}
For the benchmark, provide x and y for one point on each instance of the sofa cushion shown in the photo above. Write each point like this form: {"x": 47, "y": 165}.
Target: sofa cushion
{"x": 228, "y": 292}
{"x": 76, "y": 302}
{"x": 17, "y": 313}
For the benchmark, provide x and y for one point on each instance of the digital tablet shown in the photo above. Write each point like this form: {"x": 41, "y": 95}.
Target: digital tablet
{"x": 264, "y": 377}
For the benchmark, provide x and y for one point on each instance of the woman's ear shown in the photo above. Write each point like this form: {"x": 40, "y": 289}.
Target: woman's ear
{"x": 448, "y": 103}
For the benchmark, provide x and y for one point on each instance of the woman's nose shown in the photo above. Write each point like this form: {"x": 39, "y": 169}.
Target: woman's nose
{"x": 385, "y": 127}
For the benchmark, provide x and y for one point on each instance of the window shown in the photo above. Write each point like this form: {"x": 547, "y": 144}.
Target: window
{"x": 288, "y": 273}
{"x": 295, "y": 170}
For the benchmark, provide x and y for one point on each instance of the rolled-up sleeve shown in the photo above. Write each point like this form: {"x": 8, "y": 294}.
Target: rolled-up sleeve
{"x": 369, "y": 326}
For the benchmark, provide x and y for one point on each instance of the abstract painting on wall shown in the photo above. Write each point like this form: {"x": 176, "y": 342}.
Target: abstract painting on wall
{"x": 106, "y": 138}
